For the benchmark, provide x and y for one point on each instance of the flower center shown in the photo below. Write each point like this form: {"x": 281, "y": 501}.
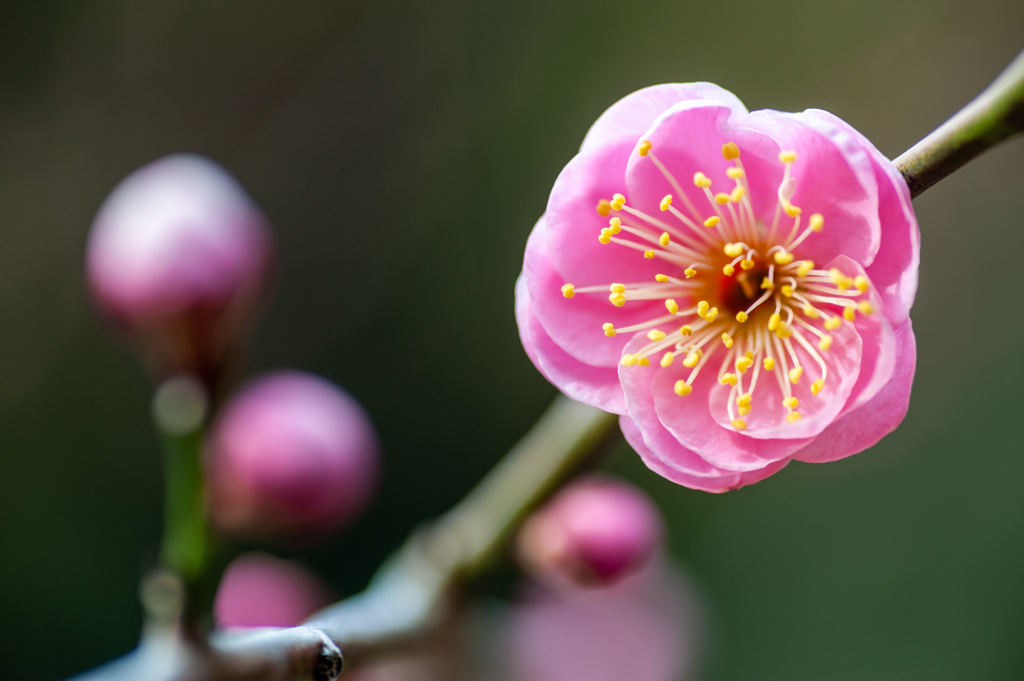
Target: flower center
{"x": 734, "y": 284}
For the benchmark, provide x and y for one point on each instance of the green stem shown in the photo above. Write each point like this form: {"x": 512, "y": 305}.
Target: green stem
{"x": 993, "y": 116}
{"x": 185, "y": 540}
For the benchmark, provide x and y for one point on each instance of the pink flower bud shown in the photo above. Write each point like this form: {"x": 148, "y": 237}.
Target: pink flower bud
{"x": 177, "y": 258}
{"x": 645, "y": 628}
{"x": 291, "y": 454}
{"x": 258, "y": 590}
{"x": 594, "y": 532}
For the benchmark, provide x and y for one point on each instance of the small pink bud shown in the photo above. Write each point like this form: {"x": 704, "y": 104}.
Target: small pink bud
{"x": 594, "y": 532}
{"x": 291, "y": 454}
{"x": 177, "y": 258}
{"x": 258, "y": 590}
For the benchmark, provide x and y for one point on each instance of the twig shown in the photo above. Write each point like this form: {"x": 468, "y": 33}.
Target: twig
{"x": 990, "y": 118}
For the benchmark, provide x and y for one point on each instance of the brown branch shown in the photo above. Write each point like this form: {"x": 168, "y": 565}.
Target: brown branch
{"x": 990, "y": 118}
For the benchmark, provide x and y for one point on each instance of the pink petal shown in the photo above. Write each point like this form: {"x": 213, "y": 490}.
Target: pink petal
{"x": 576, "y": 324}
{"x": 895, "y": 269}
{"x": 687, "y": 139}
{"x": 833, "y": 177}
{"x": 596, "y": 386}
{"x": 688, "y": 419}
{"x": 632, "y": 115}
{"x": 713, "y": 483}
{"x": 767, "y": 419}
{"x": 865, "y": 426}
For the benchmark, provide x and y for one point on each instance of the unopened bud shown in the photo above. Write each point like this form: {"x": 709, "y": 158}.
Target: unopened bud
{"x": 259, "y": 590}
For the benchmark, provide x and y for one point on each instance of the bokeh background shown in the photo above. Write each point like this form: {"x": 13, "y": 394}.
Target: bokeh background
{"x": 403, "y": 151}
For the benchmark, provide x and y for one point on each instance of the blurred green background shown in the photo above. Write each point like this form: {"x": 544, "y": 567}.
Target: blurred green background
{"x": 403, "y": 151}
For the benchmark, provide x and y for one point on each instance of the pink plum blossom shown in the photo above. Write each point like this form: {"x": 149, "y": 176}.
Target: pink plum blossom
{"x": 177, "y": 258}
{"x": 259, "y": 590}
{"x": 735, "y": 285}
{"x": 291, "y": 454}
{"x": 594, "y": 532}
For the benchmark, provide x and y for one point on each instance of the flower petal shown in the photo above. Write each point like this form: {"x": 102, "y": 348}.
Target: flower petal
{"x": 632, "y": 115}
{"x": 596, "y": 386}
{"x": 833, "y": 177}
{"x": 688, "y": 419}
{"x": 865, "y": 426}
{"x": 895, "y": 269}
{"x": 717, "y": 484}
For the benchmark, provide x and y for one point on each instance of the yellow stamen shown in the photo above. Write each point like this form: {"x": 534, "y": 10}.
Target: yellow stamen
{"x": 604, "y": 207}
{"x": 728, "y": 379}
{"x": 793, "y": 417}
{"x": 609, "y": 329}
{"x": 747, "y": 264}
{"x": 825, "y": 343}
{"x": 769, "y": 364}
{"x": 722, "y": 198}
{"x": 833, "y": 323}
{"x": 727, "y": 340}
{"x": 645, "y": 146}
{"x": 861, "y": 282}
{"x": 671, "y": 305}
{"x": 644, "y": 362}
{"x": 737, "y": 194}
{"x": 783, "y": 331}
{"x": 794, "y": 374}
{"x": 605, "y": 237}
{"x": 702, "y": 308}
{"x": 660, "y": 277}
{"x": 615, "y": 225}
{"x": 865, "y": 307}
{"x": 617, "y": 288}
{"x": 791, "y": 210}
{"x": 767, "y": 283}
{"x": 787, "y": 156}
{"x": 730, "y": 151}
{"x": 790, "y": 403}
{"x": 804, "y": 268}
{"x": 568, "y": 290}
{"x": 690, "y": 272}
{"x": 733, "y": 250}
{"x": 618, "y": 201}
{"x": 666, "y": 202}
{"x": 682, "y": 389}
{"x": 664, "y": 239}
{"x": 712, "y": 221}
{"x": 743, "y": 400}
{"x": 701, "y": 180}
{"x": 739, "y": 424}
{"x": 742, "y": 316}
{"x": 734, "y": 173}
{"x": 809, "y": 311}
{"x": 666, "y": 360}
{"x": 618, "y": 300}
{"x": 685, "y": 331}
{"x": 692, "y": 358}
{"x": 817, "y": 222}
{"x": 712, "y": 313}
{"x": 849, "y": 313}
{"x": 841, "y": 281}
{"x": 817, "y": 386}
{"x": 744, "y": 363}
{"x": 728, "y": 270}
{"x": 773, "y": 322}
{"x": 787, "y": 290}
{"x": 783, "y": 258}
{"x": 649, "y": 254}
{"x": 655, "y": 334}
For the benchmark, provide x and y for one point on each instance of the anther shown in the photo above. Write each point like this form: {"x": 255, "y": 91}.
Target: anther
{"x": 742, "y": 316}
{"x": 790, "y": 403}
{"x": 690, "y": 272}
{"x": 685, "y": 331}
{"x": 744, "y": 400}
{"x": 645, "y": 147}
{"x": 841, "y": 281}
{"x": 833, "y": 323}
{"x": 609, "y": 329}
{"x": 712, "y": 221}
{"x": 660, "y": 278}
{"x": 817, "y": 222}
{"x": 773, "y": 321}
{"x": 791, "y": 210}
{"x": 849, "y": 313}
{"x": 794, "y": 374}
{"x": 644, "y": 362}
{"x": 767, "y": 283}
{"x": 825, "y": 343}
{"x": 783, "y": 258}
{"x": 682, "y": 389}
{"x": 604, "y": 207}
{"x": 728, "y": 270}
{"x": 728, "y": 379}
{"x": 769, "y": 364}
{"x": 730, "y": 151}
{"x": 617, "y": 288}
{"x": 861, "y": 282}
{"x": 783, "y": 331}
{"x": 666, "y": 360}
{"x": 817, "y": 386}
{"x": 617, "y": 299}
{"x": 712, "y": 313}
{"x": 692, "y": 358}
{"x": 701, "y": 180}
{"x": 655, "y": 334}
{"x": 744, "y": 363}
{"x": 739, "y": 424}
{"x": 809, "y": 311}
{"x": 747, "y": 264}
{"x": 702, "y": 308}
{"x": 865, "y": 307}
{"x": 615, "y": 225}
{"x": 618, "y": 201}
{"x": 793, "y": 417}
{"x": 804, "y": 268}
{"x": 787, "y": 290}
{"x": 666, "y": 202}
{"x": 605, "y": 237}
{"x": 734, "y": 173}
{"x": 733, "y": 250}
{"x": 664, "y": 239}
{"x": 671, "y": 305}
{"x": 726, "y": 340}
{"x": 737, "y": 194}
{"x": 787, "y": 156}
{"x": 649, "y": 254}
{"x": 568, "y": 290}
{"x": 722, "y": 198}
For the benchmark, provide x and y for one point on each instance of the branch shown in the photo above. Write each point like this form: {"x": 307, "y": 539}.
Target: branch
{"x": 990, "y": 118}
